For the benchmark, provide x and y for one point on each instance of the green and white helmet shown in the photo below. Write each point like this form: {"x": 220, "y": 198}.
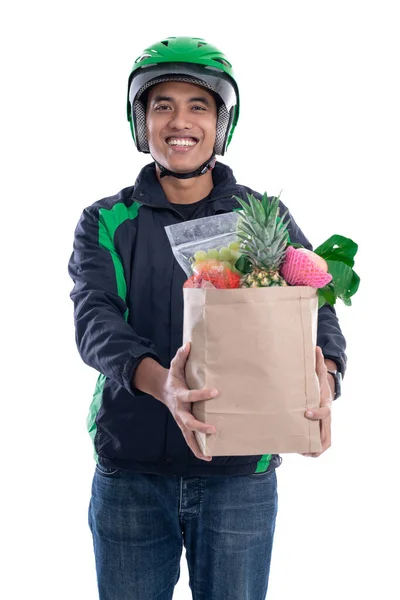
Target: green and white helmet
{"x": 191, "y": 60}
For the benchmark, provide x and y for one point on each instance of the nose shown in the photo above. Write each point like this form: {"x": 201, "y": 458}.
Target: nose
{"x": 180, "y": 118}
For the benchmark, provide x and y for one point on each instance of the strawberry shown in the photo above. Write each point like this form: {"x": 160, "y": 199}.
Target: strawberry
{"x": 218, "y": 274}
{"x": 192, "y": 282}
{"x": 215, "y": 273}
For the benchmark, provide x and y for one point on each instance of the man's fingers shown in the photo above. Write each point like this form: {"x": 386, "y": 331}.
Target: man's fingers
{"x": 321, "y": 367}
{"x": 193, "y": 425}
{"x": 326, "y": 435}
{"x": 314, "y": 414}
{"x": 323, "y": 414}
{"x": 180, "y": 358}
{"x": 326, "y": 440}
{"x": 188, "y": 426}
{"x": 199, "y": 395}
{"x": 187, "y": 422}
{"x": 193, "y": 445}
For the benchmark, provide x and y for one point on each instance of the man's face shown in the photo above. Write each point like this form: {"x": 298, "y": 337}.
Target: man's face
{"x": 181, "y": 121}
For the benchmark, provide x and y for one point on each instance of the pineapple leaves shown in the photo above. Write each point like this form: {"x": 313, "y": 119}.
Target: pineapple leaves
{"x": 262, "y": 233}
{"x": 265, "y": 203}
{"x": 258, "y": 210}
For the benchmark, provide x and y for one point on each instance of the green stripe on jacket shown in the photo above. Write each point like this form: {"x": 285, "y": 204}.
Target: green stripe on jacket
{"x": 109, "y": 221}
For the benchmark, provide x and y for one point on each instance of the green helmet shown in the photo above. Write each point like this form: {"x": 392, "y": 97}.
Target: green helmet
{"x": 191, "y": 60}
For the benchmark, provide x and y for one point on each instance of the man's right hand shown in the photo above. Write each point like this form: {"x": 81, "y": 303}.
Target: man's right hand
{"x": 178, "y": 398}
{"x": 169, "y": 386}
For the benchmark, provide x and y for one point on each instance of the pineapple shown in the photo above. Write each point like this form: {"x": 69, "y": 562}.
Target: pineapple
{"x": 263, "y": 241}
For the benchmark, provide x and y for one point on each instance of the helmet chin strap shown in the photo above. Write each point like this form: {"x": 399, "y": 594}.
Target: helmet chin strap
{"x": 202, "y": 170}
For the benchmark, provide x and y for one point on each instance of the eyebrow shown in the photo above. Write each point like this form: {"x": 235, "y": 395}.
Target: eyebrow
{"x": 193, "y": 99}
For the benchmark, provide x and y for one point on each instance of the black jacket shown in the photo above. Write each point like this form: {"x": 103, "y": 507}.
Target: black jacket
{"x": 129, "y": 304}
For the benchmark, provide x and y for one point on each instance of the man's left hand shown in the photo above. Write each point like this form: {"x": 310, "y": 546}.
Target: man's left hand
{"x": 323, "y": 413}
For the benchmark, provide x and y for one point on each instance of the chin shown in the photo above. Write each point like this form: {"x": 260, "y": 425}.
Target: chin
{"x": 184, "y": 168}
{"x": 181, "y": 166}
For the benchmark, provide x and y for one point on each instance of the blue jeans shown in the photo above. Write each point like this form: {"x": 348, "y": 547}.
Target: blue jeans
{"x": 140, "y": 523}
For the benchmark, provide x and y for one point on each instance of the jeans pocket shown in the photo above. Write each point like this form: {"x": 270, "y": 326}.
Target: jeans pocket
{"x": 106, "y": 471}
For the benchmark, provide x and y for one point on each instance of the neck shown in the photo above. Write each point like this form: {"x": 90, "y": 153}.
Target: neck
{"x": 186, "y": 191}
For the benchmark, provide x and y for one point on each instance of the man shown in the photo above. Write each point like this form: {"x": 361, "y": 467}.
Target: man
{"x": 153, "y": 490}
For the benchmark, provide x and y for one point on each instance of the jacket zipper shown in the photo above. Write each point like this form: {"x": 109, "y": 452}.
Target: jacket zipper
{"x": 171, "y": 209}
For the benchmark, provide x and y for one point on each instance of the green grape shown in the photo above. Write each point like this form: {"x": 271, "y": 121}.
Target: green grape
{"x": 234, "y": 246}
{"x": 234, "y": 255}
{"x": 224, "y": 254}
{"x": 212, "y": 253}
{"x": 200, "y": 255}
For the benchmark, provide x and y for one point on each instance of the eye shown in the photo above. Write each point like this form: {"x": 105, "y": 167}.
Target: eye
{"x": 161, "y": 107}
{"x": 198, "y": 107}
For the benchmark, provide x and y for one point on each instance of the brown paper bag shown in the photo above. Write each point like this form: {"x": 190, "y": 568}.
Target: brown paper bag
{"x": 257, "y": 347}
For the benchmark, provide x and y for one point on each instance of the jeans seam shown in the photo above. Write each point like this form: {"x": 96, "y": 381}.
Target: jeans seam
{"x": 180, "y": 497}
{"x": 200, "y": 491}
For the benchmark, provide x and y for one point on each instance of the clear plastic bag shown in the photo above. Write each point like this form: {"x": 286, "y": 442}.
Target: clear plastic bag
{"x": 209, "y": 233}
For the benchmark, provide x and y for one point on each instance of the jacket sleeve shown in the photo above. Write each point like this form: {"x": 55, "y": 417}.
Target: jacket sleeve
{"x": 329, "y": 335}
{"x": 104, "y": 338}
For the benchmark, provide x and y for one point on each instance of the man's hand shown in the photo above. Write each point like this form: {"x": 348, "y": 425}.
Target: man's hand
{"x": 323, "y": 413}
{"x": 178, "y": 398}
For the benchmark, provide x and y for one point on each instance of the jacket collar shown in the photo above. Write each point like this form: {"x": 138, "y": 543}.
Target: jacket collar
{"x": 148, "y": 190}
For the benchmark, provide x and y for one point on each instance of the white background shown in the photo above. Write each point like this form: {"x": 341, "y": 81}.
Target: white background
{"x": 319, "y": 121}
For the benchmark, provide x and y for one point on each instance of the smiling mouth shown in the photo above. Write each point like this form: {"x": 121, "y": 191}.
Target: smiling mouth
{"x": 181, "y": 142}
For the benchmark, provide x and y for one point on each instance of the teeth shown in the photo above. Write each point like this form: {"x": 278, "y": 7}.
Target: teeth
{"x": 180, "y": 142}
